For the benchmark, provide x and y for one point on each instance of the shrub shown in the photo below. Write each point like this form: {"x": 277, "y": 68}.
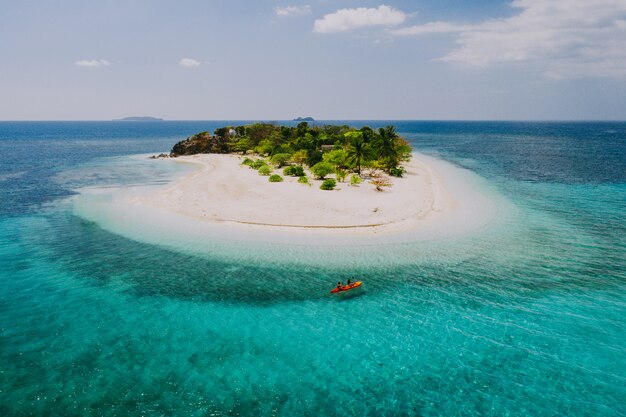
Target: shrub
{"x": 341, "y": 174}
{"x": 321, "y": 169}
{"x": 294, "y": 171}
{"x": 328, "y": 184}
{"x": 258, "y": 164}
{"x": 265, "y": 170}
{"x": 280, "y": 159}
{"x": 276, "y": 178}
{"x": 247, "y": 162}
{"x": 397, "y": 171}
{"x": 355, "y": 180}
{"x": 303, "y": 180}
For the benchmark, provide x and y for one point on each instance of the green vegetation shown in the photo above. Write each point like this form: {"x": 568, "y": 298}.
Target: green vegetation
{"x": 357, "y": 150}
{"x": 280, "y": 159}
{"x": 259, "y": 163}
{"x": 328, "y": 184}
{"x": 294, "y": 171}
{"x": 340, "y": 174}
{"x": 330, "y": 149}
{"x": 321, "y": 169}
{"x": 397, "y": 171}
{"x": 355, "y": 180}
{"x": 300, "y": 157}
{"x": 337, "y": 157}
{"x": 341, "y": 147}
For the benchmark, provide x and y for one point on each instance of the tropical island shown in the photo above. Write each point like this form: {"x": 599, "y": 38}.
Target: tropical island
{"x": 304, "y": 119}
{"x": 305, "y": 152}
{"x": 308, "y": 179}
{"x": 138, "y": 119}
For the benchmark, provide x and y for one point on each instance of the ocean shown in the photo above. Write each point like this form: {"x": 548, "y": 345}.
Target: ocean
{"x": 525, "y": 316}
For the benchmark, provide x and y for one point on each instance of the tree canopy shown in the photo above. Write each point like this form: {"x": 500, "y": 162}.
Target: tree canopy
{"x": 340, "y": 146}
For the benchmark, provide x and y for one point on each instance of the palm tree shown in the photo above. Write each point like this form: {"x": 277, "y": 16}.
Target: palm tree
{"x": 357, "y": 151}
{"x": 386, "y": 145}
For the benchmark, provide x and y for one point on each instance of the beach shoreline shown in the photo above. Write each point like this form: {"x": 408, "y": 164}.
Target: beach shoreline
{"x": 435, "y": 201}
{"x": 223, "y": 192}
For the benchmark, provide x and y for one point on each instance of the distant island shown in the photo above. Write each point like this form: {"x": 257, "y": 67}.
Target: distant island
{"x": 328, "y": 153}
{"x": 304, "y": 119}
{"x": 138, "y": 119}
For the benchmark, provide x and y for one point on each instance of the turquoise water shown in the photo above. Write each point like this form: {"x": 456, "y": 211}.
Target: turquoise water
{"x": 523, "y": 317}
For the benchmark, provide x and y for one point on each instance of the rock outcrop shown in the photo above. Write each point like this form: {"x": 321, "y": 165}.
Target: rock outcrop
{"x": 200, "y": 143}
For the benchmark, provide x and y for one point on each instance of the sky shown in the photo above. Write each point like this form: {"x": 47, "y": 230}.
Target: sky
{"x": 346, "y": 59}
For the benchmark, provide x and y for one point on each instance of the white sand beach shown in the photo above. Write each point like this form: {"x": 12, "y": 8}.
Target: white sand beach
{"x": 222, "y": 191}
{"x": 222, "y": 209}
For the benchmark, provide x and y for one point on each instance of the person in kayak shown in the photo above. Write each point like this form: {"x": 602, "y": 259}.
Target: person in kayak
{"x": 349, "y": 281}
{"x": 339, "y": 285}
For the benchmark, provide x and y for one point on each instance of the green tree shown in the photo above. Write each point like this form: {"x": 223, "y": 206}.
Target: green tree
{"x": 222, "y": 132}
{"x": 280, "y": 159}
{"x": 313, "y": 157}
{"x": 368, "y": 133}
{"x": 264, "y": 147}
{"x": 386, "y": 146}
{"x": 300, "y": 157}
{"x": 337, "y": 157}
{"x": 357, "y": 151}
{"x": 242, "y": 145}
{"x": 302, "y": 129}
{"x": 321, "y": 169}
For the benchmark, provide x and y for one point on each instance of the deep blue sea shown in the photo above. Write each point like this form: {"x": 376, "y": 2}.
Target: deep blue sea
{"x": 524, "y": 318}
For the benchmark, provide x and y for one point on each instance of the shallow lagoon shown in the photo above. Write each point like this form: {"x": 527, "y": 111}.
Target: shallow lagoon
{"x": 525, "y": 316}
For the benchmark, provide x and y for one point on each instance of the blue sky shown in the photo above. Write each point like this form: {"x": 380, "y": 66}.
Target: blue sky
{"x": 268, "y": 59}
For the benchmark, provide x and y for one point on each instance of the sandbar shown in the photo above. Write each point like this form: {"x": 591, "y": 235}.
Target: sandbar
{"x": 223, "y": 192}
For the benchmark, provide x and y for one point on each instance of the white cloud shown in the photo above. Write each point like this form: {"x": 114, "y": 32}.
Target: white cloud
{"x": 560, "y": 38}
{"x": 345, "y": 20}
{"x": 188, "y": 63}
{"x": 92, "y": 63}
{"x": 289, "y": 11}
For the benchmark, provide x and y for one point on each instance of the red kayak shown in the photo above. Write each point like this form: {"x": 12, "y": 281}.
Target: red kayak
{"x": 346, "y": 287}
